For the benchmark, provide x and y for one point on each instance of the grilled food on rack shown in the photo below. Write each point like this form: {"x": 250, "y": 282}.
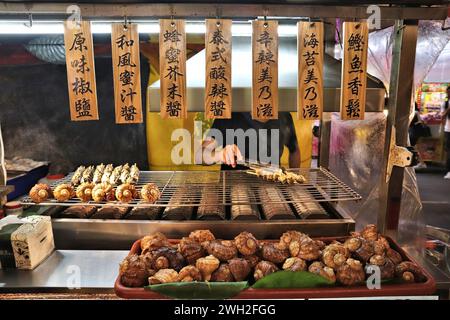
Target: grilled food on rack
{"x": 64, "y": 192}
{"x": 276, "y": 206}
{"x": 98, "y": 173}
{"x": 88, "y": 175}
{"x": 241, "y": 209}
{"x": 84, "y": 191}
{"x": 285, "y": 177}
{"x": 107, "y": 173}
{"x": 103, "y": 192}
{"x": 239, "y": 261}
{"x": 133, "y": 178}
{"x": 125, "y": 173}
{"x": 176, "y": 209}
{"x": 211, "y": 207}
{"x": 40, "y": 192}
{"x": 150, "y": 193}
{"x": 76, "y": 178}
{"x": 115, "y": 175}
{"x": 126, "y": 192}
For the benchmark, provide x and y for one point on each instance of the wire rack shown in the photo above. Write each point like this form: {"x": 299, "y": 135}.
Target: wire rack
{"x": 234, "y": 187}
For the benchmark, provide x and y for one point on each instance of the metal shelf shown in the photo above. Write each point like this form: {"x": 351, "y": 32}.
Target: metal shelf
{"x": 212, "y": 188}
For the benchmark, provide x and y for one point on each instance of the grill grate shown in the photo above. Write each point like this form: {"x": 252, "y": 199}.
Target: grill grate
{"x": 320, "y": 186}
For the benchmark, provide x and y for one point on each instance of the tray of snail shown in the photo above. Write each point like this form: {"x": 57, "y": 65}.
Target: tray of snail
{"x": 364, "y": 264}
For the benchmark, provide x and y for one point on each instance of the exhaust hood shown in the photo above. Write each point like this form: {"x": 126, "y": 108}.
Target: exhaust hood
{"x": 287, "y": 80}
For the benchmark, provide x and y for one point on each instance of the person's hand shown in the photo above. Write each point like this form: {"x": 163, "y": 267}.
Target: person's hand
{"x": 230, "y": 155}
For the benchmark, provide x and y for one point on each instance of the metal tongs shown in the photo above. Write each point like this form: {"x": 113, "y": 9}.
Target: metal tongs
{"x": 262, "y": 167}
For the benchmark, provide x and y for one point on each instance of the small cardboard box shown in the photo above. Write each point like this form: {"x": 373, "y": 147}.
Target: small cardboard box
{"x": 30, "y": 242}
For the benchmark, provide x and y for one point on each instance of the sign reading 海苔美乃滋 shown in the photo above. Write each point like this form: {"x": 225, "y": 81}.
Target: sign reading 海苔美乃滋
{"x": 80, "y": 71}
{"x": 310, "y": 70}
{"x": 172, "y": 66}
{"x": 127, "y": 75}
{"x": 218, "y": 69}
{"x": 354, "y": 70}
{"x": 265, "y": 70}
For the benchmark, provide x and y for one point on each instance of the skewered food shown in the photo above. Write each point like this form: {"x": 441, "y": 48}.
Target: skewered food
{"x": 264, "y": 268}
{"x": 133, "y": 271}
{"x": 307, "y": 249}
{"x": 207, "y": 266}
{"x": 163, "y": 276}
{"x": 273, "y": 253}
{"x": 167, "y": 257}
{"x": 88, "y": 175}
{"x": 408, "y": 271}
{"x": 222, "y": 274}
{"x": 76, "y": 178}
{"x": 319, "y": 268}
{"x": 64, "y": 192}
{"x": 239, "y": 268}
{"x": 133, "y": 177}
{"x": 107, "y": 173}
{"x": 150, "y": 193}
{"x": 126, "y": 192}
{"x": 201, "y": 236}
{"x": 189, "y": 273}
{"x": 40, "y": 192}
{"x": 246, "y": 243}
{"x": 295, "y": 264}
{"x": 84, "y": 191}
{"x": 351, "y": 273}
{"x": 115, "y": 175}
{"x": 191, "y": 250}
{"x": 287, "y": 177}
{"x": 78, "y": 212}
{"x": 387, "y": 267}
{"x": 223, "y": 250}
{"x": 154, "y": 242}
{"x": 98, "y": 173}
{"x": 335, "y": 255}
{"x": 102, "y": 191}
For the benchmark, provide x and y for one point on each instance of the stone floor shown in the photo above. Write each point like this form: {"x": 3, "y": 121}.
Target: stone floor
{"x": 435, "y": 194}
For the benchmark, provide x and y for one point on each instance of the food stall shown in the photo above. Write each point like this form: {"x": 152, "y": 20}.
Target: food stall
{"x": 101, "y": 210}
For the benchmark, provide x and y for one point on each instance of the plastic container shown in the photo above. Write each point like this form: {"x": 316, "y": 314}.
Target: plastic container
{"x": 405, "y": 289}
{"x": 13, "y": 208}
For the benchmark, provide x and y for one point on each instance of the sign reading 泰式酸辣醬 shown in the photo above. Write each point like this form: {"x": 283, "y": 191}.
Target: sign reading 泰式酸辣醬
{"x": 127, "y": 75}
{"x": 354, "y": 70}
{"x": 265, "y": 69}
{"x": 218, "y": 69}
{"x": 172, "y": 66}
{"x": 310, "y": 70}
{"x": 80, "y": 71}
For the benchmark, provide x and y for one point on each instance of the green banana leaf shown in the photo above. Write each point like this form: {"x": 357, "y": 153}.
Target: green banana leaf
{"x": 292, "y": 280}
{"x": 199, "y": 290}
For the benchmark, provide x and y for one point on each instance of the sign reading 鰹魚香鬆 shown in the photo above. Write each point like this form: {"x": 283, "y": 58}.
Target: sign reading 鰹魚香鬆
{"x": 80, "y": 71}
{"x": 172, "y": 66}
{"x": 354, "y": 70}
{"x": 127, "y": 75}
{"x": 218, "y": 69}
{"x": 310, "y": 70}
{"x": 265, "y": 70}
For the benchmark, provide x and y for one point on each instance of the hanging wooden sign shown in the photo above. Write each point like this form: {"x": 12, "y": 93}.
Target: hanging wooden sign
{"x": 127, "y": 75}
{"x": 354, "y": 70}
{"x": 80, "y": 71}
{"x": 172, "y": 66}
{"x": 265, "y": 70}
{"x": 310, "y": 70}
{"x": 218, "y": 69}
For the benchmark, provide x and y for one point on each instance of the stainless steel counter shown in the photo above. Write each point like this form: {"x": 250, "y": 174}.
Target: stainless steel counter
{"x": 67, "y": 271}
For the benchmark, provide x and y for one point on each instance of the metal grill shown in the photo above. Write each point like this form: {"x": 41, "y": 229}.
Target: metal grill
{"x": 194, "y": 188}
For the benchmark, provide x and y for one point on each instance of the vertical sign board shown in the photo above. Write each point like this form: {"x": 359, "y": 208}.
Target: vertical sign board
{"x": 172, "y": 66}
{"x": 127, "y": 75}
{"x": 354, "y": 71}
{"x": 218, "y": 69}
{"x": 265, "y": 70}
{"x": 80, "y": 71}
{"x": 310, "y": 70}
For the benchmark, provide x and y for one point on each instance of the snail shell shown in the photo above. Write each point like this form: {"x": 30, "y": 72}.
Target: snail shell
{"x": 63, "y": 192}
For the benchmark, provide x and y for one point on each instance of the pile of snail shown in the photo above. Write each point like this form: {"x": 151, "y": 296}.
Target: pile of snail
{"x": 99, "y": 184}
{"x": 202, "y": 257}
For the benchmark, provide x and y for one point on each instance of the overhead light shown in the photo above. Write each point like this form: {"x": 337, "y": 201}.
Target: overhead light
{"x": 53, "y": 27}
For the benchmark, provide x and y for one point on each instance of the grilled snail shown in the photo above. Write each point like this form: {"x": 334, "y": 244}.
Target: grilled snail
{"x": 64, "y": 192}
{"x": 40, "y": 192}
{"x": 126, "y": 192}
{"x": 84, "y": 191}
{"x": 150, "y": 193}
